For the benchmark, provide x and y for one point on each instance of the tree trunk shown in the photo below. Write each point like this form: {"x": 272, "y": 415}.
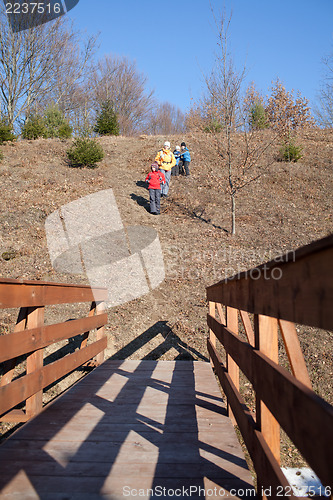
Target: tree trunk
{"x": 233, "y": 214}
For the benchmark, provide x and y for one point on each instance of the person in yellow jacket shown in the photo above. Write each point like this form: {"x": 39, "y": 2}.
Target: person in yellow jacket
{"x": 166, "y": 160}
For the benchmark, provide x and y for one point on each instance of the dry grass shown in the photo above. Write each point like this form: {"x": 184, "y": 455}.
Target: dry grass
{"x": 287, "y": 208}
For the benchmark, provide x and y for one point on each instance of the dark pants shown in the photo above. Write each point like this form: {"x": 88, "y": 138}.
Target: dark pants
{"x": 155, "y": 200}
{"x": 175, "y": 170}
{"x": 187, "y": 167}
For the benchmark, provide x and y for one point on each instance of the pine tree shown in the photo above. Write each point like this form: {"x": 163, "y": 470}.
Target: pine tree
{"x": 107, "y": 122}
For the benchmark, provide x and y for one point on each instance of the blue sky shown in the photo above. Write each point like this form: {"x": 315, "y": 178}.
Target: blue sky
{"x": 174, "y": 42}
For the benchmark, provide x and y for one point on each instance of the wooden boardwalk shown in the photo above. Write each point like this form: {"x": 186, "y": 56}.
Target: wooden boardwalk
{"x": 129, "y": 429}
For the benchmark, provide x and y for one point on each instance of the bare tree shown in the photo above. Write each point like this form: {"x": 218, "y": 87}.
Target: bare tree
{"x": 166, "y": 119}
{"x": 117, "y": 80}
{"x": 324, "y": 109}
{"x": 242, "y": 152}
{"x": 70, "y": 83}
{"x": 38, "y": 64}
{"x": 80, "y": 110}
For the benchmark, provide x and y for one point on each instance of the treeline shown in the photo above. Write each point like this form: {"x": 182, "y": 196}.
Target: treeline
{"x": 51, "y": 85}
{"x": 50, "y": 74}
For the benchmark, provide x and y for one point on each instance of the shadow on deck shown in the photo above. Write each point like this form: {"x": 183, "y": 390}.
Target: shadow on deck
{"x": 129, "y": 429}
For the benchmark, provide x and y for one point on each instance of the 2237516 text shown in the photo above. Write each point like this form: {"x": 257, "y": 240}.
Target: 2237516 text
{"x": 34, "y": 8}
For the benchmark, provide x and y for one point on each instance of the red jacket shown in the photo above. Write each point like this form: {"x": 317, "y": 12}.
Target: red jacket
{"x": 155, "y": 179}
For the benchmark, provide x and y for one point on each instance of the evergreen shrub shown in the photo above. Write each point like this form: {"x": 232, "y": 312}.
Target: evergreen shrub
{"x": 258, "y": 117}
{"x": 34, "y": 128}
{"x": 291, "y": 152}
{"x": 56, "y": 124}
{"x": 214, "y": 127}
{"x": 85, "y": 152}
{"x": 107, "y": 121}
{"x": 6, "y": 132}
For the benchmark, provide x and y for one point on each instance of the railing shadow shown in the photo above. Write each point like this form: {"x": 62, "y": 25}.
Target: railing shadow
{"x": 197, "y": 214}
{"x": 170, "y": 341}
{"x": 128, "y": 426}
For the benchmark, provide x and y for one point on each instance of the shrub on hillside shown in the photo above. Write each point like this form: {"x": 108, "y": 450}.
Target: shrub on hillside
{"x": 34, "y": 127}
{"x": 290, "y": 152}
{"x": 85, "y": 152}
{"x": 64, "y": 131}
{"x": 52, "y": 124}
{"x": 1, "y": 155}
{"x": 258, "y": 117}
{"x": 56, "y": 124}
{"x": 213, "y": 127}
{"x": 107, "y": 121}
{"x": 6, "y": 132}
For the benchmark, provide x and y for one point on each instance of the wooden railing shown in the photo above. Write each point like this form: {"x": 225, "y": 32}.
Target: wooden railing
{"x": 31, "y": 336}
{"x": 297, "y": 288}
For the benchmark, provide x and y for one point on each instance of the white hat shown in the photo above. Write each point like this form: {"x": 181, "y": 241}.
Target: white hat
{"x": 167, "y": 144}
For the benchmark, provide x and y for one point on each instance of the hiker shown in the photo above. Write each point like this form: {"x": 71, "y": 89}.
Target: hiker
{"x": 166, "y": 160}
{"x": 155, "y": 180}
{"x": 176, "y": 154}
{"x": 185, "y": 158}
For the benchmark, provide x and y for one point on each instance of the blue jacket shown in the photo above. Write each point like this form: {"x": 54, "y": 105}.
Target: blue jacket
{"x": 176, "y": 154}
{"x": 186, "y": 155}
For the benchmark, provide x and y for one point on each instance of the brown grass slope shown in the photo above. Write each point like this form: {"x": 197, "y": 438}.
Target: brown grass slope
{"x": 287, "y": 208}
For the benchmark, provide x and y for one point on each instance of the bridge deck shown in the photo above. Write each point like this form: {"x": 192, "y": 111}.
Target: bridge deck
{"x": 129, "y": 429}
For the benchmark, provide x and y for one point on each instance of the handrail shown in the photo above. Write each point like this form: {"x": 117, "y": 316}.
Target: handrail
{"x": 295, "y": 288}
{"x": 31, "y": 336}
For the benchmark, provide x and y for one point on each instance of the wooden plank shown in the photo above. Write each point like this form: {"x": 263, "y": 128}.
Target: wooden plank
{"x": 292, "y": 408}
{"x": 34, "y": 403}
{"x": 266, "y": 341}
{"x": 21, "y": 389}
{"x": 294, "y": 352}
{"x": 267, "y": 468}
{"x": 100, "y": 469}
{"x": 15, "y": 416}
{"x": 221, "y": 313}
{"x": 247, "y": 327}
{"x": 10, "y": 361}
{"x": 84, "y": 339}
{"x": 232, "y": 367}
{"x": 94, "y": 447}
{"x": 117, "y": 487}
{"x": 100, "y": 309}
{"x": 22, "y": 342}
{"x": 297, "y": 287}
{"x": 211, "y": 308}
{"x": 36, "y": 294}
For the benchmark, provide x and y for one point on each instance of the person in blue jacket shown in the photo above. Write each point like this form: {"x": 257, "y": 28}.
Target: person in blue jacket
{"x": 185, "y": 157}
{"x": 176, "y": 154}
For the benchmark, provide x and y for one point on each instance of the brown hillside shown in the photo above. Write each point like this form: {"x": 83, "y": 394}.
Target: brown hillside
{"x": 288, "y": 208}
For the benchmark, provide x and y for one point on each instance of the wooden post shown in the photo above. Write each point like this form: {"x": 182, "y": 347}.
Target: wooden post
{"x": 220, "y": 313}
{"x": 232, "y": 367}
{"x": 266, "y": 341}
{"x": 100, "y": 309}
{"x": 294, "y": 352}
{"x": 85, "y": 336}
{"x": 212, "y": 337}
{"x": 247, "y": 327}
{"x": 35, "y": 319}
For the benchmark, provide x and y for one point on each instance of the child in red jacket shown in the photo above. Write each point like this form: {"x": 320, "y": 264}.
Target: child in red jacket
{"x": 155, "y": 179}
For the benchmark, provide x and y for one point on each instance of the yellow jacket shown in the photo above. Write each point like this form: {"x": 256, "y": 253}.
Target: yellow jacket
{"x": 166, "y": 159}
